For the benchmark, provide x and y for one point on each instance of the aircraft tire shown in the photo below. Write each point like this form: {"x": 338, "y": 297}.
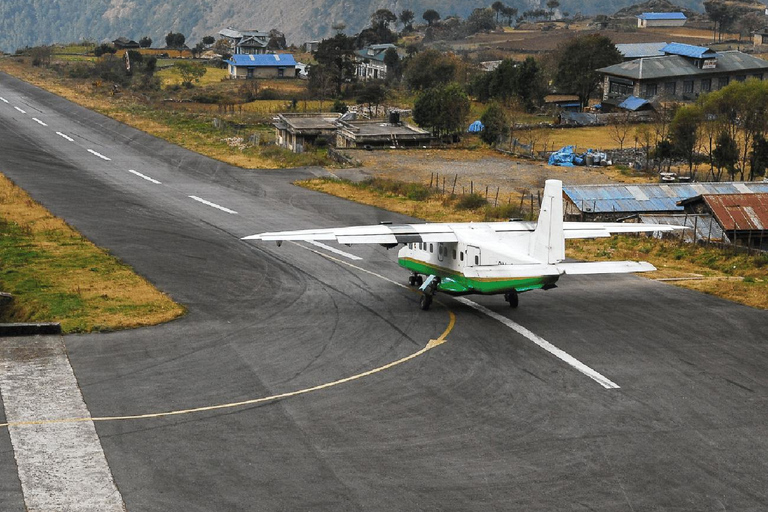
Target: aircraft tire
{"x": 412, "y": 280}
{"x": 425, "y": 301}
{"x": 419, "y": 280}
{"x": 512, "y": 298}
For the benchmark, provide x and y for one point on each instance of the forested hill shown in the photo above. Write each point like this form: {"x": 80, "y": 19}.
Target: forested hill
{"x": 36, "y": 22}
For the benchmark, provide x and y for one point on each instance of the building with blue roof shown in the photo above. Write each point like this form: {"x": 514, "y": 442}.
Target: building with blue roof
{"x": 270, "y": 65}
{"x": 661, "y": 19}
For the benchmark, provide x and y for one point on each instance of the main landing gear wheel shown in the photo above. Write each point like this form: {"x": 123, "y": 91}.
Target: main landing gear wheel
{"x": 511, "y": 297}
{"x": 425, "y": 301}
{"x": 415, "y": 280}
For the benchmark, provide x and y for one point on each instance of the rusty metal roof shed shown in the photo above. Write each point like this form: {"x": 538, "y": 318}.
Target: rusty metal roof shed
{"x": 737, "y": 212}
{"x": 652, "y": 197}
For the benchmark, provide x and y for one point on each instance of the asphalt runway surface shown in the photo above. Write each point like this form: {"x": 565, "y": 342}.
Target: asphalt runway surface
{"x": 487, "y": 420}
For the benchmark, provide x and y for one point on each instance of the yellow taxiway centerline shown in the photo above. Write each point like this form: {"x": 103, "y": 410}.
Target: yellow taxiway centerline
{"x": 432, "y": 344}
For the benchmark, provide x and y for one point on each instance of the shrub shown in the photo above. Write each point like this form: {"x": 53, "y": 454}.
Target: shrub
{"x": 471, "y": 202}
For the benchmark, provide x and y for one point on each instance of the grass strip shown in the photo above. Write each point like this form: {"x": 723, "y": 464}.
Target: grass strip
{"x": 57, "y": 275}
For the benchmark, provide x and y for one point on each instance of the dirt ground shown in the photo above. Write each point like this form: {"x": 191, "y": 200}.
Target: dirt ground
{"x": 477, "y": 168}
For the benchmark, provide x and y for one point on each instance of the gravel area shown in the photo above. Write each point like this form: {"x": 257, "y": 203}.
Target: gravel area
{"x": 481, "y": 167}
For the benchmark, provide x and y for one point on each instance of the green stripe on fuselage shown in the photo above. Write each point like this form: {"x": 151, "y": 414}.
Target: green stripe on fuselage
{"x": 454, "y": 283}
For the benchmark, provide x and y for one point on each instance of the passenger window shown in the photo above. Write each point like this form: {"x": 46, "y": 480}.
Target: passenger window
{"x": 454, "y": 254}
{"x": 430, "y": 248}
{"x": 461, "y": 256}
{"x": 477, "y": 260}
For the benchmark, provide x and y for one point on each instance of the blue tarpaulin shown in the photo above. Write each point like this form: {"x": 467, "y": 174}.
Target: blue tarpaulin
{"x": 562, "y": 157}
{"x": 476, "y": 127}
{"x": 633, "y": 103}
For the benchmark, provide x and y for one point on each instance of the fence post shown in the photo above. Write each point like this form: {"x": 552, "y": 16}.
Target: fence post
{"x": 496, "y": 201}
{"x": 455, "y": 177}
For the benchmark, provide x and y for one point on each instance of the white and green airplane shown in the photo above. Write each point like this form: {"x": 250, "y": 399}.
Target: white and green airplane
{"x": 485, "y": 257}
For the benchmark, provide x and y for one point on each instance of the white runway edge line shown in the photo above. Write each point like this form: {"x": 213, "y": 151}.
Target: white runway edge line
{"x": 61, "y": 466}
{"x": 335, "y": 251}
{"x": 22, "y": 111}
{"x": 541, "y": 342}
{"x": 70, "y": 139}
{"x": 39, "y": 121}
{"x": 99, "y": 155}
{"x": 213, "y": 205}
{"x": 137, "y": 173}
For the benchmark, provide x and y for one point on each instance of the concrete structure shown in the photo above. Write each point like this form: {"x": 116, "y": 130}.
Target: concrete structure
{"x": 760, "y": 37}
{"x": 273, "y": 65}
{"x": 295, "y": 131}
{"x": 661, "y": 19}
{"x": 370, "y": 61}
{"x": 246, "y": 42}
{"x": 311, "y": 46}
{"x": 682, "y": 74}
{"x": 360, "y": 134}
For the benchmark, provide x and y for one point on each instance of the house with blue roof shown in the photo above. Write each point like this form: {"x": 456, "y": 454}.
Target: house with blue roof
{"x": 661, "y": 19}
{"x": 682, "y": 73}
{"x": 270, "y": 65}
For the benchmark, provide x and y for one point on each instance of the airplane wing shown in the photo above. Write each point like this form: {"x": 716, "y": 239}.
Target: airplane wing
{"x": 375, "y": 234}
{"x": 606, "y": 229}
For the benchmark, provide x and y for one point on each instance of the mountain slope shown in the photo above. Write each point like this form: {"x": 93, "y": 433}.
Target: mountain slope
{"x": 36, "y": 22}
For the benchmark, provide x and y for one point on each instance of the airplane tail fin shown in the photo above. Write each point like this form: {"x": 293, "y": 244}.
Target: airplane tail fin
{"x": 548, "y": 240}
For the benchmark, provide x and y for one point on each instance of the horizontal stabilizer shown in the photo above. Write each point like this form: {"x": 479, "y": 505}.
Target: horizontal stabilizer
{"x": 605, "y": 267}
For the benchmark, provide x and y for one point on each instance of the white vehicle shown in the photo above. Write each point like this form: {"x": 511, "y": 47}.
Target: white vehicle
{"x": 485, "y": 257}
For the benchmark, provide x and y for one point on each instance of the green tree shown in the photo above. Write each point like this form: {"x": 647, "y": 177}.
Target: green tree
{"x": 479, "y": 20}
{"x": 726, "y": 154}
{"x": 335, "y": 57}
{"x": 372, "y": 95}
{"x": 406, "y": 18}
{"x": 509, "y": 13}
{"x": 430, "y": 16}
{"x": 430, "y": 68}
{"x": 495, "y": 122}
{"x": 208, "y": 40}
{"x": 189, "y": 72}
{"x": 175, "y": 40}
{"x": 577, "y": 62}
{"x": 758, "y": 158}
{"x": 394, "y": 65}
{"x": 683, "y": 132}
{"x": 383, "y": 18}
{"x": 552, "y": 5}
{"x": 104, "y": 49}
{"x": 497, "y": 7}
{"x": 145, "y": 42}
{"x": 443, "y": 110}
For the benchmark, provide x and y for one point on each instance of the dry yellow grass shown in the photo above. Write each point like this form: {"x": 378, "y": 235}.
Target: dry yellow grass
{"x": 57, "y": 275}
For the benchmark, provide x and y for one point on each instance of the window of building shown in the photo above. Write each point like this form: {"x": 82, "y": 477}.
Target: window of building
{"x": 688, "y": 86}
{"x": 722, "y": 82}
{"x": 620, "y": 88}
{"x": 651, "y": 90}
{"x": 758, "y": 76}
{"x": 670, "y": 88}
{"x": 706, "y": 84}
{"x": 741, "y": 78}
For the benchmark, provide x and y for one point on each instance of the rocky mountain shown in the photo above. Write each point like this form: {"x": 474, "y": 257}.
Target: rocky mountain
{"x": 36, "y": 22}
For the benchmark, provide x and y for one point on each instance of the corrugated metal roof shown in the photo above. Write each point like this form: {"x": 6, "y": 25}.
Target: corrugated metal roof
{"x": 637, "y": 50}
{"x": 740, "y": 212}
{"x": 677, "y": 66}
{"x": 702, "y": 226}
{"x": 662, "y": 16}
{"x": 650, "y": 197}
{"x": 688, "y": 50}
{"x": 633, "y": 103}
{"x": 263, "y": 60}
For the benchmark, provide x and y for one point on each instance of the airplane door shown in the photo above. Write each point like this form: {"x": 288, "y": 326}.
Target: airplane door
{"x": 473, "y": 256}
{"x": 440, "y": 251}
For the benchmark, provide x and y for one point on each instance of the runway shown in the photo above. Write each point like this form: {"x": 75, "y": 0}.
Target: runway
{"x": 488, "y": 419}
